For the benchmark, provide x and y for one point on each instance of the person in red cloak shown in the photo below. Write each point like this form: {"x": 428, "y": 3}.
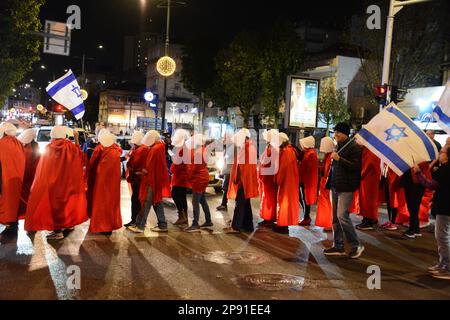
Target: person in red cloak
{"x": 287, "y": 180}
{"x": 57, "y": 198}
{"x": 180, "y": 175}
{"x": 104, "y": 178}
{"x": 135, "y": 164}
{"x": 12, "y": 163}
{"x": 268, "y": 188}
{"x": 324, "y": 213}
{"x": 155, "y": 184}
{"x": 309, "y": 177}
{"x": 32, "y": 156}
{"x": 243, "y": 183}
{"x": 368, "y": 189}
{"x": 199, "y": 178}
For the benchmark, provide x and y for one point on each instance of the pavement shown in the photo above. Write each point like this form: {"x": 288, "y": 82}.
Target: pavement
{"x": 214, "y": 265}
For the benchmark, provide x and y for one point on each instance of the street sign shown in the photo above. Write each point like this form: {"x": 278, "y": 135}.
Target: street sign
{"x": 57, "y": 38}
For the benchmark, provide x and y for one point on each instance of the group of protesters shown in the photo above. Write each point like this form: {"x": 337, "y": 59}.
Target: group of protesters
{"x": 64, "y": 187}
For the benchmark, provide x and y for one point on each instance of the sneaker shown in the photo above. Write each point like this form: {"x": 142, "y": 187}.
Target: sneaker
{"x": 356, "y": 252}
{"x": 158, "y": 229}
{"x": 129, "y": 224}
{"x": 333, "y": 251}
{"x": 180, "y": 222}
{"x": 417, "y": 234}
{"x": 409, "y": 234}
{"x": 305, "y": 222}
{"x": 365, "y": 226}
{"x": 193, "y": 228}
{"x": 222, "y": 208}
{"x": 55, "y": 236}
{"x": 389, "y": 226}
{"x": 207, "y": 225}
{"x": 443, "y": 274}
{"x": 135, "y": 229}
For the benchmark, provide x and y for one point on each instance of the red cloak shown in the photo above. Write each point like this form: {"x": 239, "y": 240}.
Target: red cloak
{"x": 244, "y": 171}
{"x": 32, "y": 157}
{"x": 324, "y": 214}
{"x": 12, "y": 160}
{"x": 199, "y": 174}
{"x": 57, "y": 198}
{"x": 309, "y": 175}
{"x": 104, "y": 189}
{"x": 287, "y": 180}
{"x": 267, "y": 186}
{"x": 157, "y": 177}
{"x": 136, "y": 163}
{"x": 181, "y": 172}
{"x": 369, "y": 187}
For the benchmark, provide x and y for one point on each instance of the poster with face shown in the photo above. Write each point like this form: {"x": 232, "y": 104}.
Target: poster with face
{"x": 302, "y": 102}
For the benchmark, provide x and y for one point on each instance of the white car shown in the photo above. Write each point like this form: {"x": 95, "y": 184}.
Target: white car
{"x": 43, "y": 137}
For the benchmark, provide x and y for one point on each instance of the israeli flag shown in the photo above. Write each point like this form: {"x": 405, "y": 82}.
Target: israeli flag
{"x": 397, "y": 140}
{"x": 67, "y": 92}
{"x": 442, "y": 111}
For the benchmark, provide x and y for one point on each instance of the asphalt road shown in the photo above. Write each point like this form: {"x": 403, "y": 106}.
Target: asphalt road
{"x": 214, "y": 265}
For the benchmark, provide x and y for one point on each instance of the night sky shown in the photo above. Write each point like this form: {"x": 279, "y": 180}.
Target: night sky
{"x": 106, "y": 22}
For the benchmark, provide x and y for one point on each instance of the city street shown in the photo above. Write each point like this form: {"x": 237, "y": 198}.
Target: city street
{"x": 214, "y": 265}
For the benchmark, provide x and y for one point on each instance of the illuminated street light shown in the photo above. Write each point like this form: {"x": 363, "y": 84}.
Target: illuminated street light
{"x": 166, "y": 66}
{"x": 43, "y": 67}
{"x": 149, "y": 96}
{"x": 84, "y": 94}
{"x": 100, "y": 46}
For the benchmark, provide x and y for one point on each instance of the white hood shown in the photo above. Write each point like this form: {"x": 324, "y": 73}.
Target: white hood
{"x": 106, "y": 138}
{"x": 308, "y": 142}
{"x": 27, "y": 136}
{"x": 137, "y": 137}
{"x": 59, "y": 132}
{"x": 240, "y": 136}
{"x": 326, "y": 145}
{"x": 7, "y": 128}
{"x": 179, "y": 137}
{"x": 150, "y": 138}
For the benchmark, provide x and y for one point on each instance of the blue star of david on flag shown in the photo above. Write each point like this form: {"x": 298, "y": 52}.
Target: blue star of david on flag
{"x": 76, "y": 90}
{"x": 395, "y": 133}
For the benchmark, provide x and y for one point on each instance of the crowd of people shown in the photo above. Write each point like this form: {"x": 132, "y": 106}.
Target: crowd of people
{"x": 65, "y": 187}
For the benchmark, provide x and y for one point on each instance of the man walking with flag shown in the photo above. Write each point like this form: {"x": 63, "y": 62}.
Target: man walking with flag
{"x": 344, "y": 181}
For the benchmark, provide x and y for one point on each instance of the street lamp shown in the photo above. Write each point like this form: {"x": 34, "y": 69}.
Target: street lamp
{"x": 166, "y": 66}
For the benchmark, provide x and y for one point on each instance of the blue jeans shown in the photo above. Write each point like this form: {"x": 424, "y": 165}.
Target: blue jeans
{"x": 145, "y": 211}
{"x": 342, "y": 224}
{"x": 197, "y": 200}
{"x": 442, "y": 233}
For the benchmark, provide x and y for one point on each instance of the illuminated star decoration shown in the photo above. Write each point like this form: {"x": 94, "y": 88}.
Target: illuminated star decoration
{"x": 395, "y": 133}
{"x": 76, "y": 90}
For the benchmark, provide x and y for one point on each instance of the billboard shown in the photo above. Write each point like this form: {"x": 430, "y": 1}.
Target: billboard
{"x": 301, "y": 102}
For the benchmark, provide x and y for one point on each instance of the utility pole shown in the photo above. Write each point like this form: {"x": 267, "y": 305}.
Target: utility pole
{"x": 166, "y": 53}
{"x": 394, "y": 8}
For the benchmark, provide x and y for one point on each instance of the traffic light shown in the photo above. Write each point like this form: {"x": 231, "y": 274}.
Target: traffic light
{"x": 381, "y": 94}
{"x": 397, "y": 94}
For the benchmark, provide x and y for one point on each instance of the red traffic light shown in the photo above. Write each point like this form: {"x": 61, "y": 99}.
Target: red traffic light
{"x": 381, "y": 90}
{"x": 58, "y": 108}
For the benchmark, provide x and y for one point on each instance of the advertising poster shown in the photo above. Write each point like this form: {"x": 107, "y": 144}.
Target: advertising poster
{"x": 301, "y": 104}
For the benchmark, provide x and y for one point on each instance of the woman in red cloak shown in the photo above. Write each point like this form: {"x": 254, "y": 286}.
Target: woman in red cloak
{"x": 32, "y": 156}
{"x": 243, "y": 183}
{"x": 57, "y": 199}
{"x": 324, "y": 214}
{"x": 287, "y": 180}
{"x": 12, "y": 163}
{"x": 309, "y": 177}
{"x": 155, "y": 184}
{"x": 199, "y": 178}
{"x": 368, "y": 189}
{"x": 104, "y": 178}
{"x": 268, "y": 188}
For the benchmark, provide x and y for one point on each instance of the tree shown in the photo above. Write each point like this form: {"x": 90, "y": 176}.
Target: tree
{"x": 239, "y": 73}
{"x": 332, "y": 105}
{"x": 19, "y": 48}
{"x": 281, "y": 55}
{"x": 416, "y": 46}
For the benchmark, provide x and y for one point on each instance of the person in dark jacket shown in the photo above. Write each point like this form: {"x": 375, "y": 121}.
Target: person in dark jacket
{"x": 344, "y": 180}
{"x": 441, "y": 211}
